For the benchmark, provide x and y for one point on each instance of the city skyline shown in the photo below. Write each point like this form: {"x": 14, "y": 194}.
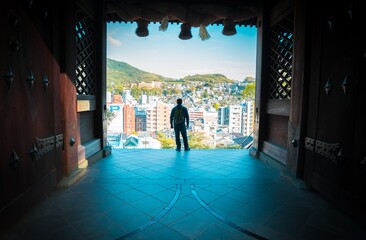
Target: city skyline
{"x": 165, "y": 54}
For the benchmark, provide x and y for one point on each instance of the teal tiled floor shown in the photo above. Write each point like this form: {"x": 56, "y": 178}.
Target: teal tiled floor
{"x": 149, "y": 194}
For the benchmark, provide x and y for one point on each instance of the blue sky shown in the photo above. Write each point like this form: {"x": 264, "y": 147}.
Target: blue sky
{"x": 165, "y": 54}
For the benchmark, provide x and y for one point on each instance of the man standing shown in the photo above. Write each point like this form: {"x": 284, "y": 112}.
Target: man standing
{"x": 178, "y": 117}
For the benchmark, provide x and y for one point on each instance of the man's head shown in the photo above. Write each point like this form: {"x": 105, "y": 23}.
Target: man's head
{"x": 179, "y": 101}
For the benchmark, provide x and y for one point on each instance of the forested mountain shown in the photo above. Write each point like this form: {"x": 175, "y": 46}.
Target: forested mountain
{"x": 120, "y": 73}
{"x": 210, "y": 78}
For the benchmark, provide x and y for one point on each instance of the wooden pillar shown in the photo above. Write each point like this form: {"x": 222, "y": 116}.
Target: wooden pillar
{"x": 68, "y": 86}
{"x": 101, "y": 29}
{"x": 297, "y": 117}
{"x": 263, "y": 38}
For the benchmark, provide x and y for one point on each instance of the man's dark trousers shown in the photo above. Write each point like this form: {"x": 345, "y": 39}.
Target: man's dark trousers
{"x": 180, "y": 129}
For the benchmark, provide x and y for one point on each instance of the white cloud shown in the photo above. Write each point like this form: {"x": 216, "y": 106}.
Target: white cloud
{"x": 113, "y": 41}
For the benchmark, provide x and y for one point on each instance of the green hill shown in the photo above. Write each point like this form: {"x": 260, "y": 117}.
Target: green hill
{"x": 121, "y": 73}
{"x": 209, "y": 78}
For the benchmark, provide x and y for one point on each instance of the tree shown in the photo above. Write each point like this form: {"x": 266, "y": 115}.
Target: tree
{"x": 216, "y": 106}
{"x": 165, "y": 141}
{"x": 249, "y": 79}
{"x": 110, "y": 116}
{"x": 249, "y": 91}
{"x": 118, "y": 88}
{"x": 197, "y": 140}
{"x": 136, "y": 92}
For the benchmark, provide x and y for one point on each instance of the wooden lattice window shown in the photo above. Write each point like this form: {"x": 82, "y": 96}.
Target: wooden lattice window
{"x": 85, "y": 54}
{"x": 280, "y": 72}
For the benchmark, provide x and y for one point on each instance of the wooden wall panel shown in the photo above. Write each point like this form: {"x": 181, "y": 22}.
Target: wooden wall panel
{"x": 336, "y": 117}
{"x": 27, "y": 113}
{"x": 278, "y": 107}
{"x": 87, "y": 126}
{"x": 277, "y": 130}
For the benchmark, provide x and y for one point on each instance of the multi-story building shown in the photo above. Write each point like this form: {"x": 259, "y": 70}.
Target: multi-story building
{"x": 230, "y": 117}
{"x": 128, "y": 119}
{"x": 150, "y": 84}
{"x": 210, "y": 127}
{"x": 152, "y": 100}
{"x": 116, "y": 125}
{"x": 109, "y": 97}
{"x": 210, "y": 122}
{"x": 151, "y": 119}
{"x": 223, "y": 116}
{"x": 162, "y": 116}
{"x": 143, "y": 99}
{"x": 248, "y": 118}
{"x": 195, "y": 114}
{"x": 140, "y": 120}
{"x": 117, "y": 99}
{"x": 127, "y": 97}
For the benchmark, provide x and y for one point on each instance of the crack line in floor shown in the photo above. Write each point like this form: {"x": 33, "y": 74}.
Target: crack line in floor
{"x": 157, "y": 217}
{"x": 231, "y": 224}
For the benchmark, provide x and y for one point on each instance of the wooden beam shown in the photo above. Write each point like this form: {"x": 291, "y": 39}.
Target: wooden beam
{"x": 276, "y": 152}
{"x": 278, "y": 107}
{"x": 86, "y": 105}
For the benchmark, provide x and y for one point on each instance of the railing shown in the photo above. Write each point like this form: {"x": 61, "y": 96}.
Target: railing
{"x": 247, "y": 146}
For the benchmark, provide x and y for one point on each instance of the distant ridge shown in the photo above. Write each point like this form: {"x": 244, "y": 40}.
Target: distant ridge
{"x": 122, "y": 73}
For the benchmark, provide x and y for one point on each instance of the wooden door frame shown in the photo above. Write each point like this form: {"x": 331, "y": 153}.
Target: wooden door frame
{"x": 299, "y": 92}
{"x": 297, "y": 111}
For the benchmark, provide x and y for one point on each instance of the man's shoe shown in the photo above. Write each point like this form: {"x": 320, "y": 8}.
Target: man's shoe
{"x": 177, "y": 149}
{"x": 187, "y": 149}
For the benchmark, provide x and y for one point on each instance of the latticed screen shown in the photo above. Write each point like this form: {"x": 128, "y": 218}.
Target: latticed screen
{"x": 281, "y": 59}
{"x": 85, "y": 55}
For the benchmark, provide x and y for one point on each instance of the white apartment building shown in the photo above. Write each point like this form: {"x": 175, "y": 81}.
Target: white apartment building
{"x": 210, "y": 127}
{"x": 230, "y": 117}
{"x": 210, "y": 122}
{"x": 116, "y": 125}
{"x": 128, "y": 98}
{"x": 157, "y": 116}
{"x": 108, "y": 97}
{"x": 248, "y": 118}
{"x": 143, "y": 99}
{"x": 162, "y": 116}
{"x": 151, "y": 119}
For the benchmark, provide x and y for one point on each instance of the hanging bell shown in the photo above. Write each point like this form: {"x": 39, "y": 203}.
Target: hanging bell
{"x": 142, "y": 30}
{"x": 185, "y": 31}
{"x": 229, "y": 27}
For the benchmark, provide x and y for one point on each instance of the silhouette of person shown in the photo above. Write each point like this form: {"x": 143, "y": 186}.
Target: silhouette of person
{"x": 179, "y": 120}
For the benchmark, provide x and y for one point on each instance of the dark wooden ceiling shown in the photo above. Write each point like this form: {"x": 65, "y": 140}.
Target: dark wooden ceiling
{"x": 205, "y": 12}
